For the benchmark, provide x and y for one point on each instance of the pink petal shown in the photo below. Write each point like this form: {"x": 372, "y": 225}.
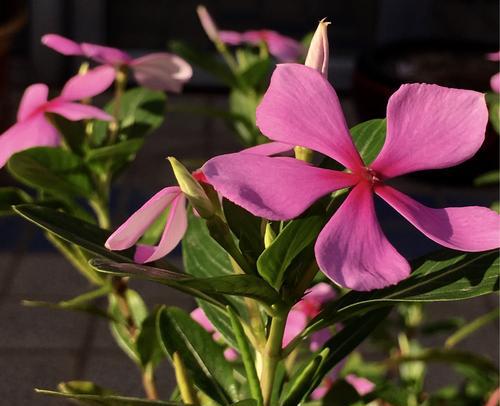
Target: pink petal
{"x": 61, "y": 44}
{"x": 295, "y": 323}
{"x": 208, "y": 23}
{"x": 129, "y": 232}
{"x": 493, "y": 56}
{"x": 162, "y": 71}
{"x": 231, "y": 354}
{"x": 94, "y": 82}
{"x": 362, "y": 385}
{"x": 301, "y": 108}
{"x": 231, "y": 37}
{"x": 352, "y": 249}
{"x": 172, "y": 234}
{"x": 76, "y": 111}
{"x": 269, "y": 148}
{"x": 284, "y": 48}
{"x": 431, "y": 127}
{"x": 34, "y": 97}
{"x": 319, "y": 392}
{"x": 106, "y": 55}
{"x": 201, "y": 318}
{"x": 320, "y": 293}
{"x": 495, "y": 83}
{"x": 462, "y": 228}
{"x": 273, "y": 188}
{"x": 319, "y": 338}
{"x": 36, "y": 131}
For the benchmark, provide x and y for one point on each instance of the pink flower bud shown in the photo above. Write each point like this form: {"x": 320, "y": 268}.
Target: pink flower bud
{"x": 208, "y": 23}
{"x": 318, "y": 54}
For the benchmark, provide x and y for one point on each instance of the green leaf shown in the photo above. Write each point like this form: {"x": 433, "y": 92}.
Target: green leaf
{"x": 246, "y": 402}
{"x": 206, "y": 61}
{"x": 120, "y": 328}
{"x": 369, "y": 138}
{"x": 346, "y": 340}
{"x": 203, "y": 358}
{"x": 148, "y": 344}
{"x": 141, "y": 112}
{"x": 84, "y": 388}
{"x": 443, "y": 276}
{"x": 53, "y": 170}
{"x": 10, "y": 196}
{"x": 255, "y": 74}
{"x": 493, "y": 100}
{"x": 489, "y": 178}
{"x": 289, "y": 243}
{"x": 73, "y": 132}
{"x": 244, "y": 104}
{"x": 113, "y": 157}
{"x": 237, "y": 285}
{"x": 81, "y": 303}
{"x": 203, "y": 258}
{"x": 107, "y": 400}
{"x": 71, "y": 229}
{"x": 342, "y": 393}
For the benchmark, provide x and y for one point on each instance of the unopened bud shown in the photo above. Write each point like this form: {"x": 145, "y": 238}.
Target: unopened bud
{"x": 208, "y": 23}
{"x": 318, "y": 54}
{"x": 192, "y": 189}
{"x": 269, "y": 235}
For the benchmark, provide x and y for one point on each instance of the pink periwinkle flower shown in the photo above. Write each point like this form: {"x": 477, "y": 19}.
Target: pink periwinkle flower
{"x": 495, "y": 79}
{"x": 157, "y": 71}
{"x": 306, "y": 309}
{"x": 199, "y": 316}
{"x": 362, "y": 385}
{"x": 428, "y": 127}
{"x": 283, "y": 48}
{"x": 33, "y": 129}
{"x": 171, "y": 199}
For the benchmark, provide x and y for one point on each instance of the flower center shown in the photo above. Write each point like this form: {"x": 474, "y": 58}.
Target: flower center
{"x": 371, "y": 176}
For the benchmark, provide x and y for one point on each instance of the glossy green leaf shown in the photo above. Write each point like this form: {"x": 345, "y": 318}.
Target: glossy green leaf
{"x": 289, "y": 243}
{"x": 53, "y": 170}
{"x": 346, "y": 340}
{"x": 369, "y": 138}
{"x": 141, "y": 112}
{"x": 202, "y": 356}
{"x": 107, "y": 400}
{"x": 204, "y": 258}
{"x": 73, "y": 132}
{"x": 147, "y": 344}
{"x": 113, "y": 157}
{"x": 72, "y": 229}
{"x": 236, "y": 285}
{"x": 443, "y": 276}
{"x": 10, "y": 196}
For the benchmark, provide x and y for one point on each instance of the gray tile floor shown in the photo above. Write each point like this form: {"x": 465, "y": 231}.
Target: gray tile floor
{"x": 41, "y": 347}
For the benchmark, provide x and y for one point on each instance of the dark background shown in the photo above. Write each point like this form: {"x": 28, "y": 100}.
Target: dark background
{"x": 375, "y": 45}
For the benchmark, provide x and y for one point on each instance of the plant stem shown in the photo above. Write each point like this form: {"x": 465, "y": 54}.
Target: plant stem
{"x": 272, "y": 355}
{"x": 120, "y": 290}
{"x": 120, "y": 84}
{"x": 148, "y": 383}
{"x": 101, "y": 212}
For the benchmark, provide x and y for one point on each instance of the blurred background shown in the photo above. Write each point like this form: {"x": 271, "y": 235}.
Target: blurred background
{"x": 375, "y": 46}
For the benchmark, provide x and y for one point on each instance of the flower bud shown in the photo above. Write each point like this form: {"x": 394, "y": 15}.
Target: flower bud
{"x": 208, "y": 24}
{"x": 192, "y": 189}
{"x": 318, "y": 54}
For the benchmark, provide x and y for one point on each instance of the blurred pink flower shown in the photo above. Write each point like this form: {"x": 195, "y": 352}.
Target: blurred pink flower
{"x": 157, "y": 71}
{"x": 283, "y": 48}
{"x": 495, "y": 79}
{"x": 33, "y": 129}
{"x": 428, "y": 127}
{"x": 199, "y": 316}
{"x": 362, "y": 385}
{"x": 171, "y": 199}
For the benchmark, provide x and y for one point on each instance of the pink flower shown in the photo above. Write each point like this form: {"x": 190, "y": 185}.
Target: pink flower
{"x": 428, "y": 127}
{"x": 171, "y": 199}
{"x": 158, "y": 71}
{"x": 362, "y": 385}
{"x": 33, "y": 129}
{"x": 199, "y": 316}
{"x": 495, "y": 79}
{"x": 306, "y": 309}
{"x": 283, "y": 48}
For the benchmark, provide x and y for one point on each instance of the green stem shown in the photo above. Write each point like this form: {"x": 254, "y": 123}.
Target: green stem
{"x": 101, "y": 212}
{"x": 120, "y": 84}
{"x": 272, "y": 354}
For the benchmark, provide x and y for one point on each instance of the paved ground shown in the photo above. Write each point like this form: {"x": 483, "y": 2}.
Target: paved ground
{"x": 41, "y": 347}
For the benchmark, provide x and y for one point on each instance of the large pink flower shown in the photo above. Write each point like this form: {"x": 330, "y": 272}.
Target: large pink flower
{"x": 283, "y": 48}
{"x": 158, "y": 71}
{"x": 428, "y": 127}
{"x": 171, "y": 199}
{"x": 32, "y": 128}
